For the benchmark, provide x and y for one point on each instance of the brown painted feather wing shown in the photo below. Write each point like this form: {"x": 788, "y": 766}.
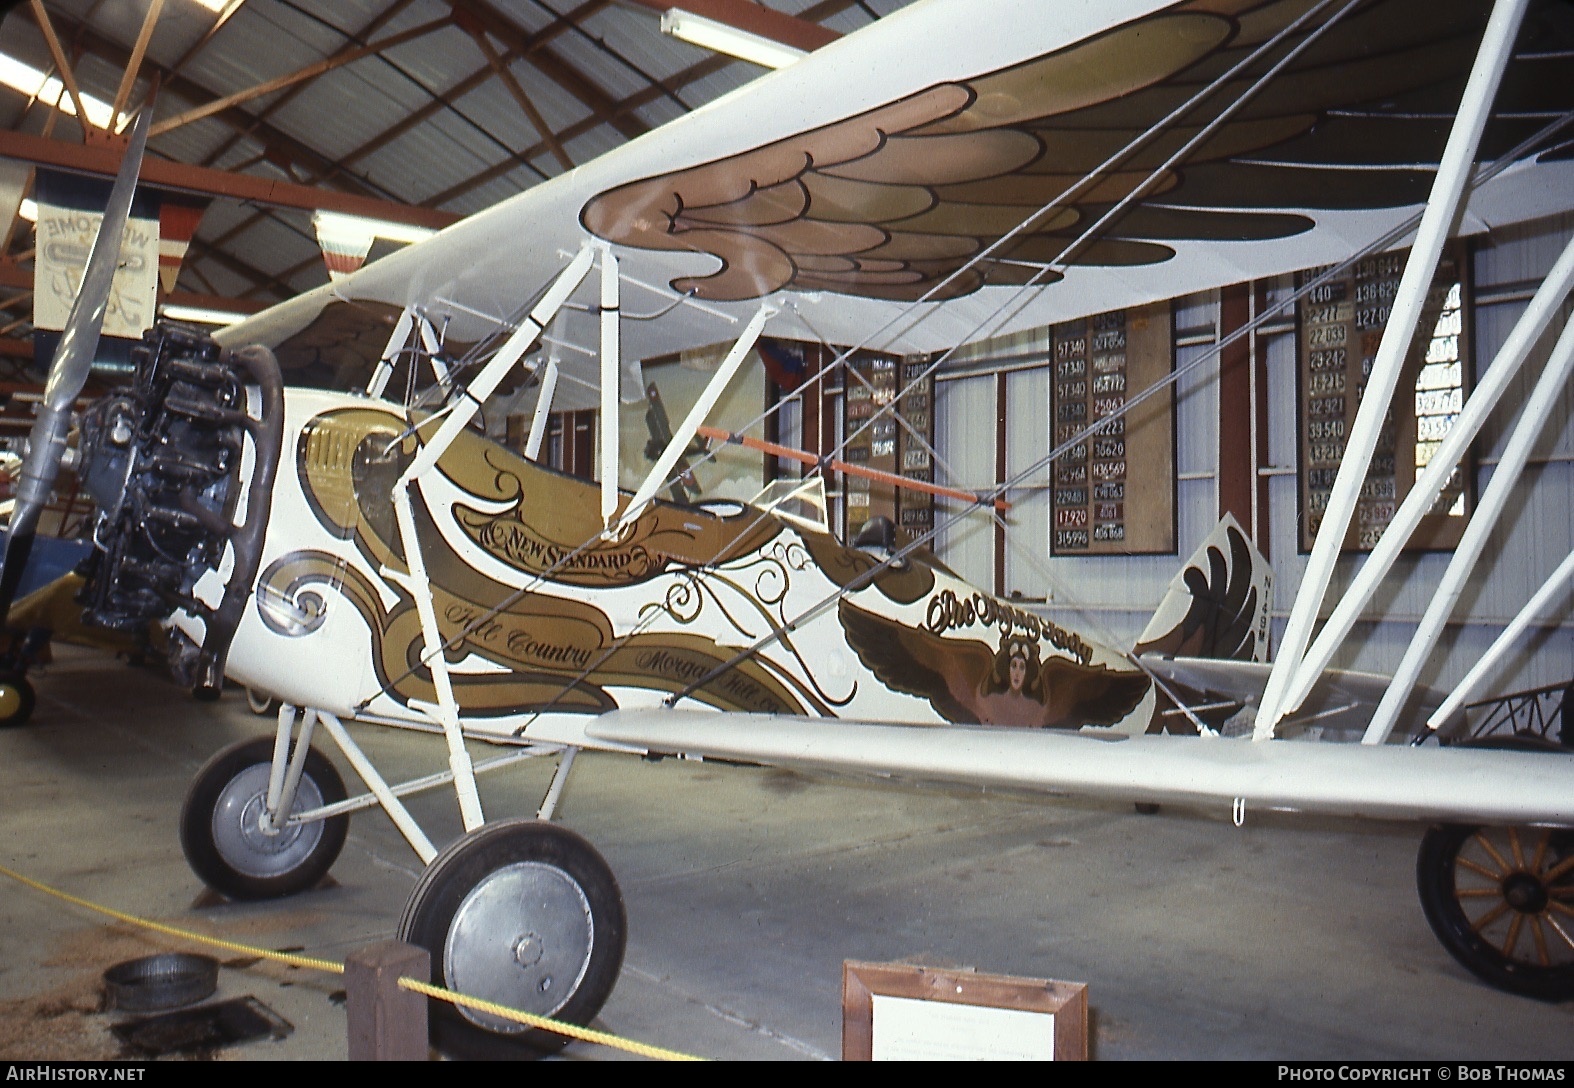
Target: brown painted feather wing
{"x": 915, "y": 662}
{"x": 1076, "y": 694}
{"x": 893, "y": 202}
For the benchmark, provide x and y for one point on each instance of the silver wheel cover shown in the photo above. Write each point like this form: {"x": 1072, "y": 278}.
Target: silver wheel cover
{"x": 523, "y": 938}
{"x": 239, "y": 838}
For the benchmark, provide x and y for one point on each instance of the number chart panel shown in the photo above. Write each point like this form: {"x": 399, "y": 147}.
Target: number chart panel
{"x": 897, "y": 440}
{"x": 1114, "y": 488}
{"x": 915, "y": 443}
{"x": 1341, "y": 325}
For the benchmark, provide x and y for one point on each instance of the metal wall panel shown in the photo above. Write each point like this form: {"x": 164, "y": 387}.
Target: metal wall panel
{"x": 1113, "y": 596}
{"x": 1027, "y": 441}
{"x": 1536, "y": 530}
{"x": 965, "y": 440}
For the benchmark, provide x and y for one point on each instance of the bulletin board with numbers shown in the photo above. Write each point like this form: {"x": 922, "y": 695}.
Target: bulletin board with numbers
{"x": 1340, "y": 325}
{"x": 915, "y": 441}
{"x": 1113, "y": 491}
{"x": 897, "y": 440}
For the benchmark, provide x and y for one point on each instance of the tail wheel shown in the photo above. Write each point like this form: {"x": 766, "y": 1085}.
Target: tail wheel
{"x": 221, "y": 830}
{"x": 1501, "y": 900}
{"x": 525, "y": 914}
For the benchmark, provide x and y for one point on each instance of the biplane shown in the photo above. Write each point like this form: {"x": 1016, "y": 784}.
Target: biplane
{"x": 953, "y": 172}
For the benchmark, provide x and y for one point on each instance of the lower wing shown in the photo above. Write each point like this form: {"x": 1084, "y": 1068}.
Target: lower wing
{"x": 1389, "y": 782}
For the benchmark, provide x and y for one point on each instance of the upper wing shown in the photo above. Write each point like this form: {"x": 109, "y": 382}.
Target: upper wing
{"x": 875, "y": 172}
{"x": 1393, "y": 782}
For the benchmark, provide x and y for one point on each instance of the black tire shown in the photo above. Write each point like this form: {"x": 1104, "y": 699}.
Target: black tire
{"x": 538, "y": 890}
{"x": 220, "y": 838}
{"x": 1501, "y": 900}
{"x": 17, "y": 699}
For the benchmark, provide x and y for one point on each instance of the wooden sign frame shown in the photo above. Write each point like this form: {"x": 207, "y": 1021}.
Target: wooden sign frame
{"x": 1339, "y": 326}
{"x": 1115, "y": 492}
{"x": 1063, "y": 1004}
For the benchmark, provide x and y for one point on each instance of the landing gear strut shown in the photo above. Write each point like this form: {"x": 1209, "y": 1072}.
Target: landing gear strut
{"x": 226, "y": 842}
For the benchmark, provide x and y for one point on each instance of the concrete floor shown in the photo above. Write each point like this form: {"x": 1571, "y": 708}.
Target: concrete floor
{"x": 746, "y": 888}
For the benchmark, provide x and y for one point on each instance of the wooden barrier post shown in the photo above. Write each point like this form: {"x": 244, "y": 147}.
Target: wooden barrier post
{"x": 386, "y": 1023}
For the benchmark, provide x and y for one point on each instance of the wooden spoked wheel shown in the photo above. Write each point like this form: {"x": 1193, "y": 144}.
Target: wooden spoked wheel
{"x": 1501, "y": 899}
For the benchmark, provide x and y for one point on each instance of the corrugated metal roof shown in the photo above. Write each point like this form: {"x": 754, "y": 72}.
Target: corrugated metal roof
{"x": 425, "y": 121}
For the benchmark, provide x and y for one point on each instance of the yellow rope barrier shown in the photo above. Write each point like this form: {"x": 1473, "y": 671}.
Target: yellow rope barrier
{"x": 185, "y": 934}
{"x": 573, "y": 1031}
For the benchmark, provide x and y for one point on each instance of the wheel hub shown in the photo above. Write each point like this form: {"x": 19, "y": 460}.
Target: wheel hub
{"x": 1525, "y": 893}
{"x": 522, "y": 937}
{"x": 527, "y": 950}
{"x": 238, "y": 830}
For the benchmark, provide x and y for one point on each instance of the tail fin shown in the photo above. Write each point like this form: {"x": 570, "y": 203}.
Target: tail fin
{"x": 1217, "y": 606}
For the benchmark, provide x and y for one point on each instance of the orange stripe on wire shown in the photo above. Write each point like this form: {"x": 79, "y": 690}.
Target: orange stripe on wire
{"x": 719, "y": 435}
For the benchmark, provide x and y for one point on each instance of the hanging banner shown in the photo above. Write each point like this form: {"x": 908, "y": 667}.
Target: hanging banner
{"x": 70, "y": 208}
{"x": 179, "y": 217}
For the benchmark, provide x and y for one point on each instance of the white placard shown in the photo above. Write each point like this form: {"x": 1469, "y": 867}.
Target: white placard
{"x": 907, "y": 1029}
{"x": 65, "y": 235}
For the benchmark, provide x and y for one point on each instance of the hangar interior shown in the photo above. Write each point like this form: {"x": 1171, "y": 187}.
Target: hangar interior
{"x": 747, "y": 887}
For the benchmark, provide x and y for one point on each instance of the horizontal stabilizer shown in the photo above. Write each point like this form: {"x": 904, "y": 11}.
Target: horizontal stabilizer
{"x": 1340, "y": 701}
{"x": 1388, "y": 782}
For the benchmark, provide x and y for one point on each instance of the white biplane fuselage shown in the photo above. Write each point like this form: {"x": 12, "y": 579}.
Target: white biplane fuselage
{"x": 546, "y": 623}
{"x": 912, "y": 188}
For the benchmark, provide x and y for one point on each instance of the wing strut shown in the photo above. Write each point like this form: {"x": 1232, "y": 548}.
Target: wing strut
{"x": 485, "y": 383}
{"x": 611, "y": 366}
{"x": 1488, "y": 392}
{"x": 538, "y": 423}
{"x": 656, "y": 479}
{"x": 1453, "y": 172}
{"x": 399, "y": 343}
{"x": 1532, "y": 421}
{"x": 398, "y": 340}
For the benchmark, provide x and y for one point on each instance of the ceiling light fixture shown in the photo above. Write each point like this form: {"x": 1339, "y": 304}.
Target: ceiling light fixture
{"x": 336, "y": 224}
{"x": 47, "y": 89}
{"x": 722, "y": 38}
{"x": 202, "y": 315}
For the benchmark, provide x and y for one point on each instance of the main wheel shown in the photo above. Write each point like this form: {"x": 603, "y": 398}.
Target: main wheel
{"x": 525, "y": 914}
{"x": 16, "y": 699}
{"x": 1501, "y": 899}
{"x": 222, "y": 836}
